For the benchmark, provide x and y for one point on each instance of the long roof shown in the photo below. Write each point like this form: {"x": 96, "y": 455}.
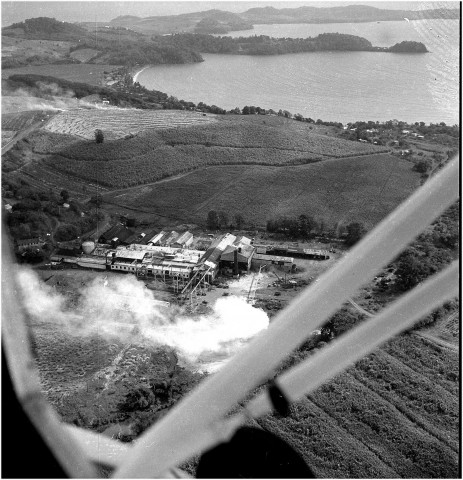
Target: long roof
{"x": 184, "y": 237}
{"x": 244, "y": 251}
{"x": 216, "y": 248}
{"x": 130, "y": 254}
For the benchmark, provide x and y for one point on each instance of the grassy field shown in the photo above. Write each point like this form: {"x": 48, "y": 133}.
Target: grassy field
{"x": 85, "y": 73}
{"x": 362, "y": 188}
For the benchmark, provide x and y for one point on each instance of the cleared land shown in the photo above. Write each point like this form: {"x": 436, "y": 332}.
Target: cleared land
{"x": 84, "y": 73}
{"x": 356, "y": 189}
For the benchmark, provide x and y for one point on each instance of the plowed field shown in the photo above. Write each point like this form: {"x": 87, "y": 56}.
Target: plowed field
{"x": 118, "y": 122}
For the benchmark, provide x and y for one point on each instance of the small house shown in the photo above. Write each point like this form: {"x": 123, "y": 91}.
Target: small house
{"x": 27, "y": 243}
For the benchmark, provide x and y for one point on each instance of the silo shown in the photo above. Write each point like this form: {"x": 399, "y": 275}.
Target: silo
{"x": 88, "y": 247}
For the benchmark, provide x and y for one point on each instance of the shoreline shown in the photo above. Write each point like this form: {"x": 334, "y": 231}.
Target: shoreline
{"x": 135, "y": 76}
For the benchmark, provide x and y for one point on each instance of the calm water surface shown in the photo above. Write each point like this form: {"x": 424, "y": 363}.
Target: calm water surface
{"x": 338, "y": 86}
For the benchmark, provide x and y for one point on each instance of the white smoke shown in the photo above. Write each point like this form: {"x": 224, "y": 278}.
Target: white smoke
{"x": 125, "y": 310}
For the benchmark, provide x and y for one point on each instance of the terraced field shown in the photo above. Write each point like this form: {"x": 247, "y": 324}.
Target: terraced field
{"x": 118, "y": 123}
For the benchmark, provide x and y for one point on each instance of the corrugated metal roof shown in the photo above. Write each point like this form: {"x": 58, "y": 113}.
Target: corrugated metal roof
{"x": 131, "y": 254}
{"x": 243, "y": 240}
{"x": 170, "y": 239}
{"x": 245, "y": 253}
{"x": 157, "y": 237}
{"x": 184, "y": 237}
{"x": 216, "y": 248}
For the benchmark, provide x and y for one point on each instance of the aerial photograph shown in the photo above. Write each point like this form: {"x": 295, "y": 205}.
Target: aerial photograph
{"x": 231, "y": 239}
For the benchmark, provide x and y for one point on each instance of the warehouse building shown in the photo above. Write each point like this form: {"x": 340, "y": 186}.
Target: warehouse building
{"x": 284, "y": 263}
{"x": 116, "y": 235}
{"x": 127, "y": 260}
{"x": 184, "y": 240}
{"x": 237, "y": 257}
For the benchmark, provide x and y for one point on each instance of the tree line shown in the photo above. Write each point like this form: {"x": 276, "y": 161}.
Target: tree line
{"x": 302, "y": 226}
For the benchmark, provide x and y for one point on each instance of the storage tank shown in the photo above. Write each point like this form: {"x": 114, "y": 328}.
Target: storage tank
{"x": 88, "y": 247}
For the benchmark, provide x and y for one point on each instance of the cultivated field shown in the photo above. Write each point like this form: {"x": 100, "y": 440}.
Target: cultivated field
{"x": 361, "y": 189}
{"x": 7, "y": 135}
{"x": 21, "y": 120}
{"x": 117, "y": 122}
{"x": 385, "y": 418}
{"x": 146, "y": 146}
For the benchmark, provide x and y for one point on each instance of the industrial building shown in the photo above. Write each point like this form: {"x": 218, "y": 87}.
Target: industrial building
{"x": 166, "y": 257}
{"x": 283, "y": 250}
{"x": 116, "y": 235}
{"x": 237, "y": 257}
{"x": 184, "y": 240}
{"x": 284, "y": 263}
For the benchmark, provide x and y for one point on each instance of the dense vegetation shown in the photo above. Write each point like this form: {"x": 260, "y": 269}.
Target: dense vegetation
{"x": 46, "y": 87}
{"x": 408, "y": 47}
{"x": 38, "y": 213}
{"x": 109, "y": 48}
{"x": 45, "y": 28}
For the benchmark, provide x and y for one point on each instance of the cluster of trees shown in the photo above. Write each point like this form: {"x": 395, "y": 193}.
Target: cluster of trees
{"x": 430, "y": 252}
{"x": 263, "y": 44}
{"x": 35, "y": 213}
{"x": 408, "y": 47}
{"x": 187, "y": 47}
{"x": 305, "y": 226}
{"x": 45, "y": 28}
{"x": 221, "y": 220}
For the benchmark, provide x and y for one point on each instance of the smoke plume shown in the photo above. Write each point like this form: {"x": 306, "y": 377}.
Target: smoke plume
{"x": 122, "y": 308}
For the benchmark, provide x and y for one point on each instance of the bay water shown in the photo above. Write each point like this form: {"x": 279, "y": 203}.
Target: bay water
{"x": 333, "y": 86}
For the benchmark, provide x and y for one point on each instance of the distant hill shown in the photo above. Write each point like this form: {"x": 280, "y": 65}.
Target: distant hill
{"x": 44, "y": 28}
{"x": 219, "y": 21}
{"x": 210, "y": 21}
{"x": 351, "y": 14}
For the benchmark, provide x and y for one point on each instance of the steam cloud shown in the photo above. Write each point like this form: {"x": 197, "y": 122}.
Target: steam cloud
{"x": 124, "y": 309}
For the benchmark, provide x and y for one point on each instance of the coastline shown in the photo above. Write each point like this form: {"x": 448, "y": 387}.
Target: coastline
{"x": 135, "y": 75}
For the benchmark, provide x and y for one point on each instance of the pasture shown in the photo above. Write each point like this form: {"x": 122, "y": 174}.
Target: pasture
{"x": 361, "y": 189}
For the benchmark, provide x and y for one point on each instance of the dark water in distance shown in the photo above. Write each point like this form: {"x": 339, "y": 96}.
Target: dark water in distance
{"x": 337, "y": 86}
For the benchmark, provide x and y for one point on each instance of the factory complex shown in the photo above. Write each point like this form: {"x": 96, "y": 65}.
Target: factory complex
{"x": 170, "y": 256}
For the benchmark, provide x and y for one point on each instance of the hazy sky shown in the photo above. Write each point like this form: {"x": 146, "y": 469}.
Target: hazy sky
{"x": 78, "y": 11}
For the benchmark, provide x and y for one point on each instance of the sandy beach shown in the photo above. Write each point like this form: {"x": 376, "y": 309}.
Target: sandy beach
{"x": 135, "y": 76}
